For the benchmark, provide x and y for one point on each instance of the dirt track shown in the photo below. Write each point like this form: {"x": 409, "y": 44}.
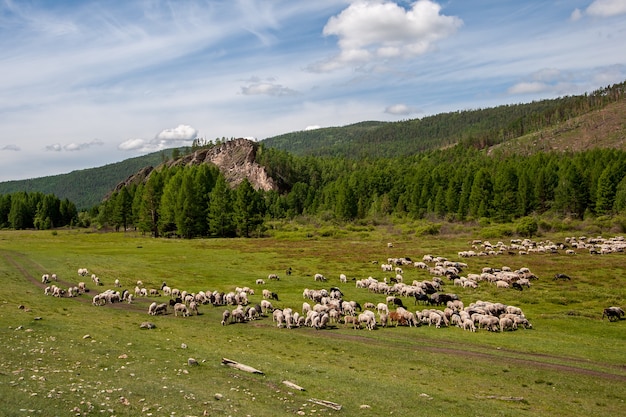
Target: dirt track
{"x": 501, "y": 356}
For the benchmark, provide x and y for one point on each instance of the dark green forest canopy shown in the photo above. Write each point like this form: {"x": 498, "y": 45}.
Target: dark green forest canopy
{"x": 455, "y": 184}
{"x": 478, "y": 128}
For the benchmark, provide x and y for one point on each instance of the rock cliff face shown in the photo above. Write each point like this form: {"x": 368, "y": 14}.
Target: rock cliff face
{"x": 235, "y": 159}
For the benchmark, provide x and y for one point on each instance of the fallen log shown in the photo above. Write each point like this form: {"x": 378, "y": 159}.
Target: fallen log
{"x": 241, "y": 366}
{"x": 502, "y": 398}
{"x": 292, "y": 385}
{"x": 325, "y": 403}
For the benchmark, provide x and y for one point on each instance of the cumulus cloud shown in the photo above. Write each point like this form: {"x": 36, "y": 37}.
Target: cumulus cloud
{"x": 132, "y": 144}
{"x": 256, "y": 86}
{"x": 81, "y": 146}
{"x": 71, "y": 147}
{"x": 401, "y": 110}
{"x": 606, "y": 8}
{"x": 55, "y": 147}
{"x": 528, "y": 87}
{"x": 313, "y": 127}
{"x": 373, "y": 30}
{"x": 181, "y": 135}
{"x": 10, "y": 148}
{"x": 601, "y": 8}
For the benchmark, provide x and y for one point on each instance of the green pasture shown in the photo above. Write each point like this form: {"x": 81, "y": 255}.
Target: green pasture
{"x": 66, "y": 357}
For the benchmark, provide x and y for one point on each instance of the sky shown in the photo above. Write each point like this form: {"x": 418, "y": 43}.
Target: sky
{"x": 85, "y": 83}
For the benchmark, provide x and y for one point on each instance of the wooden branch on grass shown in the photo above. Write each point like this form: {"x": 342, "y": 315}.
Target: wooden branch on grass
{"x": 325, "y": 403}
{"x": 497, "y": 397}
{"x": 241, "y": 366}
{"x": 292, "y": 385}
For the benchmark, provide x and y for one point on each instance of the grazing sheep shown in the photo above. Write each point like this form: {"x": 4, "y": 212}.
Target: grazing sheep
{"x": 382, "y": 308}
{"x": 319, "y": 277}
{"x": 368, "y": 319}
{"x": 343, "y": 278}
{"x": 507, "y": 324}
{"x": 45, "y": 279}
{"x": 273, "y": 277}
{"x": 260, "y": 282}
{"x": 468, "y": 324}
{"x": 351, "y": 320}
{"x": 613, "y": 313}
{"x": 225, "y": 317}
{"x": 182, "y": 309}
{"x": 278, "y": 317}
{"x": 561, "y": 277}
{"x": 266, "y": 306}
{"x": 83, "y": 272}
{"x": 160, "y": 309}
{"x": 151, "y": 308}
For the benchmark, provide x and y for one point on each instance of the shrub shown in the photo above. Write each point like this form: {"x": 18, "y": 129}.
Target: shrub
{"x": 527, "y": 227}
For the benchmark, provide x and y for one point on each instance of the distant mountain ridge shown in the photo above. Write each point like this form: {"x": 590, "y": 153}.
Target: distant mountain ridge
{"x": 86, "y": 187}
{"x": 573, "y": 123}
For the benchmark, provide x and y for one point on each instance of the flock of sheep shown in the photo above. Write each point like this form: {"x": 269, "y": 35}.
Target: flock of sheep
{"x": 327, "y": 307}
{"x": 570, "y": 246}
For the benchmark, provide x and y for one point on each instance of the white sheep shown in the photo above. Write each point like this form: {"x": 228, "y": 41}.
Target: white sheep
{"x": 319, "y": 277}
{"x": 182, "y": 309}
{"x": 225, "y": 317}
{"x": 382, "y": 308}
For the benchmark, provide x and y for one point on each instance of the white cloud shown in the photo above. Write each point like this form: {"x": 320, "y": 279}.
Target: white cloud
{"x": 401, "y": 110}
{"x": 81, "y": 146}
{"x": 55, "y": 147}
{"x": 531, "y": 87}
{"x": 179, "y": 133}
{"x": 132, "y": 145}
{"x": 266, "y": 88}
{"x": 10, "y": 148}
{"x": 313, "y": 127}
{"x": 576, "y": 15}
{"x": 601, "y": 9}
{"x": 374, "y": 30}
{"x": 606, "y": 8}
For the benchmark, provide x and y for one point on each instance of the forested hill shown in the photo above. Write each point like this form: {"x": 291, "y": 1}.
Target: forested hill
{"x": 86, "y": 188}
{"x": 480, "y": 128}
{"x": 571, "y": 123}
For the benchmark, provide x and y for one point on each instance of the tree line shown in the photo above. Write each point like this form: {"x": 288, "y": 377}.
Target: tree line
{"x": 456, "y": 184}
{"x": 24, "y": 210}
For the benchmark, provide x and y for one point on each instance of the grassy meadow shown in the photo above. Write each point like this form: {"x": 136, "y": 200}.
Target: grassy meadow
{"x": 66, "y": 357}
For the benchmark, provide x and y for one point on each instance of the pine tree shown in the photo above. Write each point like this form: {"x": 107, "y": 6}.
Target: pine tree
{"x": 220, "y": 215}
{"x": 248, "y": 210}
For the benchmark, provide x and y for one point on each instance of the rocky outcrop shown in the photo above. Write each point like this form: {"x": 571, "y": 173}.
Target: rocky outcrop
{"x": 235, "y": 159}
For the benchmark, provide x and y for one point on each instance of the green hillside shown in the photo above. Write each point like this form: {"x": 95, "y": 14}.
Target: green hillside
{"x": 86, "y": 188}
{"x": 479, "y": 128}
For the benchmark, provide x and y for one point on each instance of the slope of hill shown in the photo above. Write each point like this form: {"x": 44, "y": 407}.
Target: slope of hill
{"x": 604, "y": 128}
{"x": 87, "y": 187}
{"x": 480, "y": 128}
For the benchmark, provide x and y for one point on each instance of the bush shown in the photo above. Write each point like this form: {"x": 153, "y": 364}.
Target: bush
{"x": 527, "y": 227}
{"x": 428, "y": 229}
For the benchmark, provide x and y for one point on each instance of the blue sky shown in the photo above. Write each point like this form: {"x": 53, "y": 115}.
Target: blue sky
{"x": 88, "y": 83}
